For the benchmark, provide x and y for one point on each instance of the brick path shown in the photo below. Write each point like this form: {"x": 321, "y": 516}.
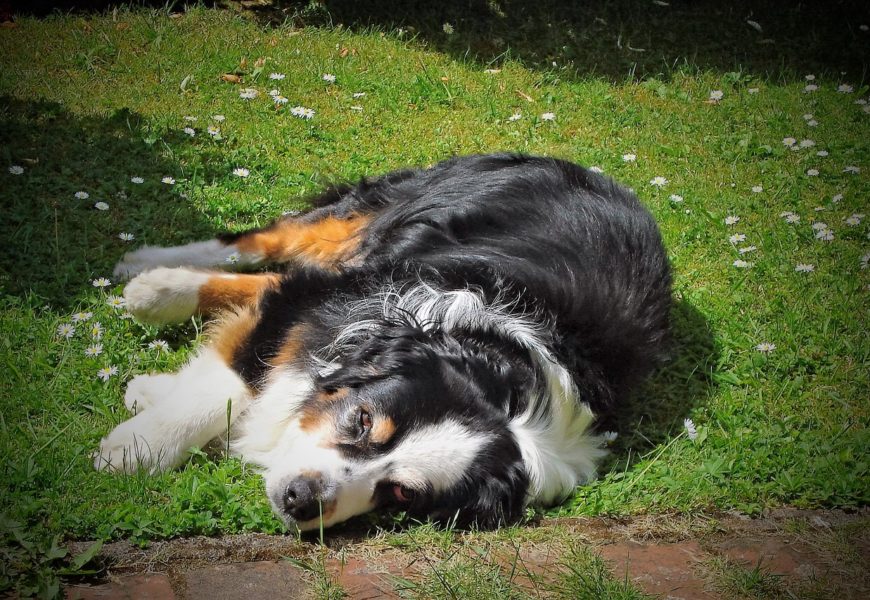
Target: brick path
{"x": 667, "y": 556}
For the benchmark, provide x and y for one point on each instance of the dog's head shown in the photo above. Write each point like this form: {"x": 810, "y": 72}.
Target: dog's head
{"x": 410, "y": 421}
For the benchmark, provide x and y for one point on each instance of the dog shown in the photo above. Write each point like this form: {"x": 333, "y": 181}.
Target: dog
{"x": 439, "y": 341}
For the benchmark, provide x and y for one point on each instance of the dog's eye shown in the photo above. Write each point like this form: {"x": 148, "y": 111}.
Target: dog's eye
{"x": 365, "y": 422}
{"x": 403, "y": 494}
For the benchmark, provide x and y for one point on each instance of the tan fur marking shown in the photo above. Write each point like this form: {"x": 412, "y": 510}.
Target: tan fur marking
{"x": 291, "y": 347}
{"x": 325, "y": 243}
{"x": 312, "y": 420}
{"x": 225, "y": 291}
{"x": 383, "y": 429}
{"x": 229, "y": 333}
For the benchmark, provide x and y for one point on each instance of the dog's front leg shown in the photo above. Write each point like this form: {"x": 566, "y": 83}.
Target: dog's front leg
{"x": 193, "y": 412}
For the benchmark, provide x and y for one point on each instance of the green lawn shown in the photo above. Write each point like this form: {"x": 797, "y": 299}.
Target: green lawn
{"x": 88, "y": 103}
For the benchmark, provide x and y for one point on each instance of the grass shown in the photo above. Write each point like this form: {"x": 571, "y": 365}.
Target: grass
{"x": 87, "y": 102}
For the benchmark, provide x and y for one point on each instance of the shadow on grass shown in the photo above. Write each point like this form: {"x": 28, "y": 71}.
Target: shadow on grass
{"x": 616, "y": 39}
{"x": 56, "y": 243}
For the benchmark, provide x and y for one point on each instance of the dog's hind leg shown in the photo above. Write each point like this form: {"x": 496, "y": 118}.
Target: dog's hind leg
{"x": 206, "y": 396}
{"x": 165, "y": 295}
{"x": 320, "y": 239}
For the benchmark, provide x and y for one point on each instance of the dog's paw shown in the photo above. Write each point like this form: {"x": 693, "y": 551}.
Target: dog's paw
{"x": 144, "y": 391}
{"x": 164, "y": 295}
{"x": 138, "y": 444}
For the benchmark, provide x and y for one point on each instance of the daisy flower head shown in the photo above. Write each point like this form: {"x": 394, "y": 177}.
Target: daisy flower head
{"x": 448, "y": 28}
{"x": 248, "y": 93}
{"x": 732, "y": 220}
{"x": 241, "y": 172}
{"x": 168, "y": 180}
{"x": 107, "y": 372}
{"x": 233, "y": 258}
{"x": 810, "y": 88}
{"x": 629, "y": 157}
{"x": 328, "y": 78}
{"x": 658, "y": 181}
{"x": 691, "y": 431}
{"x": 807, "y": 143}
{"x": 852, "y": 169}
{"x": 101, "y": 282}
{"x": 159, "y": 345}
{"x": 94, "y": 350}
{"x": 753, "y": 90}
{"x": 213, "y": 130}
{"x": 789, "y": 141}
{"x": 765, "y": 347}
{"x": 747, "y": 249}
{"x": 845, "y": 88}
{"x": 96, "y": 330}
{"x": 126, "y": 237}
{"x": 822, "y": 153}
{"x": 189, "y": 131}
{"x": 812, "y": 123}
{"x": 854, "y": 219}
{"x": 675, "y": 198}
{"x": 836, "y": 198}
{"x": 609, "y": 437}
{"x": 825, "y": 235}
{"x": 804, "y": 268}
{"x": 218, "y": 118}
{"x": 757, "y": 189}
{"x": 80, "y": 317}
{"x": 190, "y": 118}
{"x": 548, "y": 116}
{"x": 741, "y": 264}
{"x": 281, "y": 100}
{"x": 16, "y": 169}
{"x": 807, "y": 116}
{"x": 716, "y": 95}
{"x": 302, "y": 112}
{"x": 101, "y": 206}
{"x": 737, "y": 238}
{"x": 810, "y": 77}
{"x": 515, "y": 117}
{"x": 137, "y": 180}
{"x": 812, "y": 172}
{"x": 82, "y": 195}
{"x": 359, "y": 94}
{"x": 274, "y": 93}
{"x": 116, "y": 301}
{"x": 819, "y": 225}
{"x": 66, "y": 330}
{"x": 277, "y": 76}
{"x": 865, "y": 261}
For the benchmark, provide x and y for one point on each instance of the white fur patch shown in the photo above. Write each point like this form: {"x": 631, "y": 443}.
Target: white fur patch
{"x": 194, "y": 413}
{"x": 208, "y": 254}
{"x": 165, "y": 295}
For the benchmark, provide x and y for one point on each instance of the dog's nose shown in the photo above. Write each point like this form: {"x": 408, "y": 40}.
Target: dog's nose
{"x": 302, "y": 498}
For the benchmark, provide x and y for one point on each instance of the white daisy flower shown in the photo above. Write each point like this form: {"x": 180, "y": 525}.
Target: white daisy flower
{"x": 732, "y": 220}
{"x": 548, "y": 116}
{"x": 845, "y": 88}
{"x": 807, "y": 143}
{"x": 864, "y": 27}
{"x": 737, "y": 238}
{"x": 825, "y": 235}
{"x": 248, "y": 93}
{"x": 66, "y": 330}
{"x": 836, "y": 198}
{"x": 789, "y": 141}
{"x": 860, "y": 101}
{"x": 302, "y": 112}
{"x": 716, "y": 95}
{"x": 807, "y": 116}
{"x": 865, "y": 261}
{"x": 96, "y": 330}
{"x": 676, "y": 198}
{"x": 168, "y": 180}
{"x": 747, "y": 249}
{"x": 854, "y": 219}
{"x": 691, "y": 432}
{"x": 81, "y": 317}
{"x": 609, "y": 437}
{"x": 241, "y": 172}
{"x": 359, "y": 94}
{"x": 159, "y": 345}
{"x": 765, "y": 347}
{"x": 280, "y": 100}
{"x": 277, "y": 76}
{"x": 812, "y": 172}
{"x": 94, "y": 350}
{"x": 213, "y": 130}
{"x": 658, "y": 181}
{"x": 233, "y": 258}
{"x": 804, "y": 268}
{"x": 274, "y": 93}
{"x": 810, "y": 77}
{"x": 190, "y": 118}
{"x": 819, "y": 225}
{"x": 82, "y": 195}
{"x": 356, "y": 108}
{"x": 811, "y": 88}
{"x": 137, "y": 180}
{"x": 852, "y": 169}
{"x": 792, "y": 219}
{"x": 126, "y": 237}
{"x": 629, "y": 157}
{"x": 116, "y": 301}
{"x": 757, "y": 189}
{"x": 218, "y": 118}
{"x": 101, "y": 282}
{"x": 447, "y": 28}
{"x": 328, "y": 78}
{"x": 753, "y": 90}
{"x": 741, "y": 264}
{"x": 515, "y": 117}
{"x": 16, "y": 169}
{"x": 812, "y": 123}
{"x": 107, "y": 372}
{"x": 822, "y": 153}
{"x": 189, "y": 131}
{"x": 101, "y": 206}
